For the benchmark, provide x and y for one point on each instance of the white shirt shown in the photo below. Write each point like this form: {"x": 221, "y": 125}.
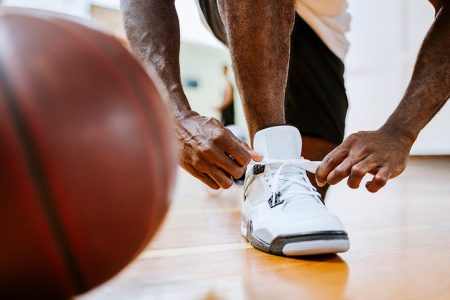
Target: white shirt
{"x": 330, "y": 21}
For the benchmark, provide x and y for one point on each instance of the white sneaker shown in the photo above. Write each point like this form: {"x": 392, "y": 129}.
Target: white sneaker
{"x": 282, "y": 212}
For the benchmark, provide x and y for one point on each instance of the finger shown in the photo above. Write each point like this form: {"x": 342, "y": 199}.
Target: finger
{"x": 215, "y": 156}
{"x": 342, "y": 170}
{"x": 201, "y": 176}
{"x": 230, "y": 166}
{"x": 256, "y": 156}
{"x": 233, "y": 146}
{"x": 358, "y": 171}
{"x": 379, "y": 180}
{"x": 329, "y": 163}
{"x": 220, "y": 177}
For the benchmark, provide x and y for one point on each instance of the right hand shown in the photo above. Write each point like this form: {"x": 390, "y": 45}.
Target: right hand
{"x": 210, "y": 152}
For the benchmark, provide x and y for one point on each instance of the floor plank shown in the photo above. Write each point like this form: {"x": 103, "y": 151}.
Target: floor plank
{"x": 400, "y": 241}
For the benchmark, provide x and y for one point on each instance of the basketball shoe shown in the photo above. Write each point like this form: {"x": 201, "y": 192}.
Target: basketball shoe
{"x": 282, "y": 213}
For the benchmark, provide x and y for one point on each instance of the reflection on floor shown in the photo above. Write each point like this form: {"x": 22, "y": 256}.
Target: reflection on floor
{"x": 400, "y": 241}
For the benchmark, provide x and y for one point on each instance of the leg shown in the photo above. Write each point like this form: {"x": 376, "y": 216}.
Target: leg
{"x": 316, "y": 102}
{"x": 277, "y": 196}
{"x": 316, "y": 149}
{"x": 258, "y": 35}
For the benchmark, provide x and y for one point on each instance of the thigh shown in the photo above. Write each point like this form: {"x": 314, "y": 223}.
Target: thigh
{"x": 316, "y": 100}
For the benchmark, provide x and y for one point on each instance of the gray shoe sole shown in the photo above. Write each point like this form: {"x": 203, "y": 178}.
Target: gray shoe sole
{"x": 302, "y": 244}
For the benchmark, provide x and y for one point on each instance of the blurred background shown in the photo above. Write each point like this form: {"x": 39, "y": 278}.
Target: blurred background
{"x": 385, "y": 38}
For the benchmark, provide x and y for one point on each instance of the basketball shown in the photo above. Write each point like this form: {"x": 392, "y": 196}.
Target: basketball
{"x": 87, "y": 157}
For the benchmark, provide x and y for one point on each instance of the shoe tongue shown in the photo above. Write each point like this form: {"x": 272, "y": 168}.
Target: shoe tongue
{"x": 279, "y": 142}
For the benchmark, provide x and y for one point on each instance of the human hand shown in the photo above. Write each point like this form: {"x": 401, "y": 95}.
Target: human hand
{"x": 382, "y": 153}
{"x": 210, "y": 152}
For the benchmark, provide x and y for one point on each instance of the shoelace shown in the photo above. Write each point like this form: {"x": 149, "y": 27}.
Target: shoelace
{"x": 303, "y": 164}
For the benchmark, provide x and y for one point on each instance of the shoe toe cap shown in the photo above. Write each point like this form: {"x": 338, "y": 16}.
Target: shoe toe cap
{"x": 268, "y": 230}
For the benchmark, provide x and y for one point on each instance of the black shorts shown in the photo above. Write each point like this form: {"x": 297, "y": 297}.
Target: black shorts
{"x": 316, "y": 101}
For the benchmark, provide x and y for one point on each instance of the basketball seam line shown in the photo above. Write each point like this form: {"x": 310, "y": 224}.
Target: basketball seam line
{"x": 44, "y": 195}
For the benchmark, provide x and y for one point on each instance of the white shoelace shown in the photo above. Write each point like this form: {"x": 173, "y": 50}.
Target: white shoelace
{"x": 303, "y": 164}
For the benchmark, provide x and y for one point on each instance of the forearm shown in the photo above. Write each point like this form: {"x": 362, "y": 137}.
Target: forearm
{"x": 152, "y": 28}
{"x": 429, "y": 88}
{"x": 207, "y": 150}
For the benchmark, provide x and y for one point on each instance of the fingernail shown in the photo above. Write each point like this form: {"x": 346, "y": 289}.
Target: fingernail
{"x": 320, "y": 184}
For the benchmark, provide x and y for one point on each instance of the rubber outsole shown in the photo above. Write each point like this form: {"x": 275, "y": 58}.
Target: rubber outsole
{"x": 301, "y": 244}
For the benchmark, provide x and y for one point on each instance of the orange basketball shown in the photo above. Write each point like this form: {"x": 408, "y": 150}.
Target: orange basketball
{"x": 87, "y": 157}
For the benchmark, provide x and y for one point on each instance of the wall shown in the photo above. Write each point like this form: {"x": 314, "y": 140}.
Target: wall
{"x": 205, "y": 65}
{"x": 79, "y": 8}
{"x": 108, "y": 19}
{"x": 385, "y": 39}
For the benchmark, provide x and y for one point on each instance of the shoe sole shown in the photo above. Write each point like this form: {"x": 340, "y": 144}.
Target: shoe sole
{"x": 302, "y": 244}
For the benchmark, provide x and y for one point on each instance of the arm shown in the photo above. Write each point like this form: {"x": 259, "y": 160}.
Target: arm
{"x": 153, "y": 31}
{"x": 429, "y": 88}
{"x": 227, "y": 97}
{"x": 384, "y": 152}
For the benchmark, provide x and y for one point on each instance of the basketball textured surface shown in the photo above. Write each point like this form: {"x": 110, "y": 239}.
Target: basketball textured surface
{"x": 87, "y": 157}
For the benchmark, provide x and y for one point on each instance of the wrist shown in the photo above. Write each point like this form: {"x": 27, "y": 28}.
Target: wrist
{"x": 402, "y": 132}
{"x": 180, "y": 105}
{"x": 185, "y": 114}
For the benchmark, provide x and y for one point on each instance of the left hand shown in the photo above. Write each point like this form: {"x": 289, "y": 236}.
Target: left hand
{"x": 382, "y": 153}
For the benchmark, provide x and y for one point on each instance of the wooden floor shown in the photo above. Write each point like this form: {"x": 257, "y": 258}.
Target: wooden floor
{"x": 400, "y": 248}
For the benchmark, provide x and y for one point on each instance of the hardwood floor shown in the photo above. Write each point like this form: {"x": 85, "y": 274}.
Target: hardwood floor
{"x": 400, "y": 247}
